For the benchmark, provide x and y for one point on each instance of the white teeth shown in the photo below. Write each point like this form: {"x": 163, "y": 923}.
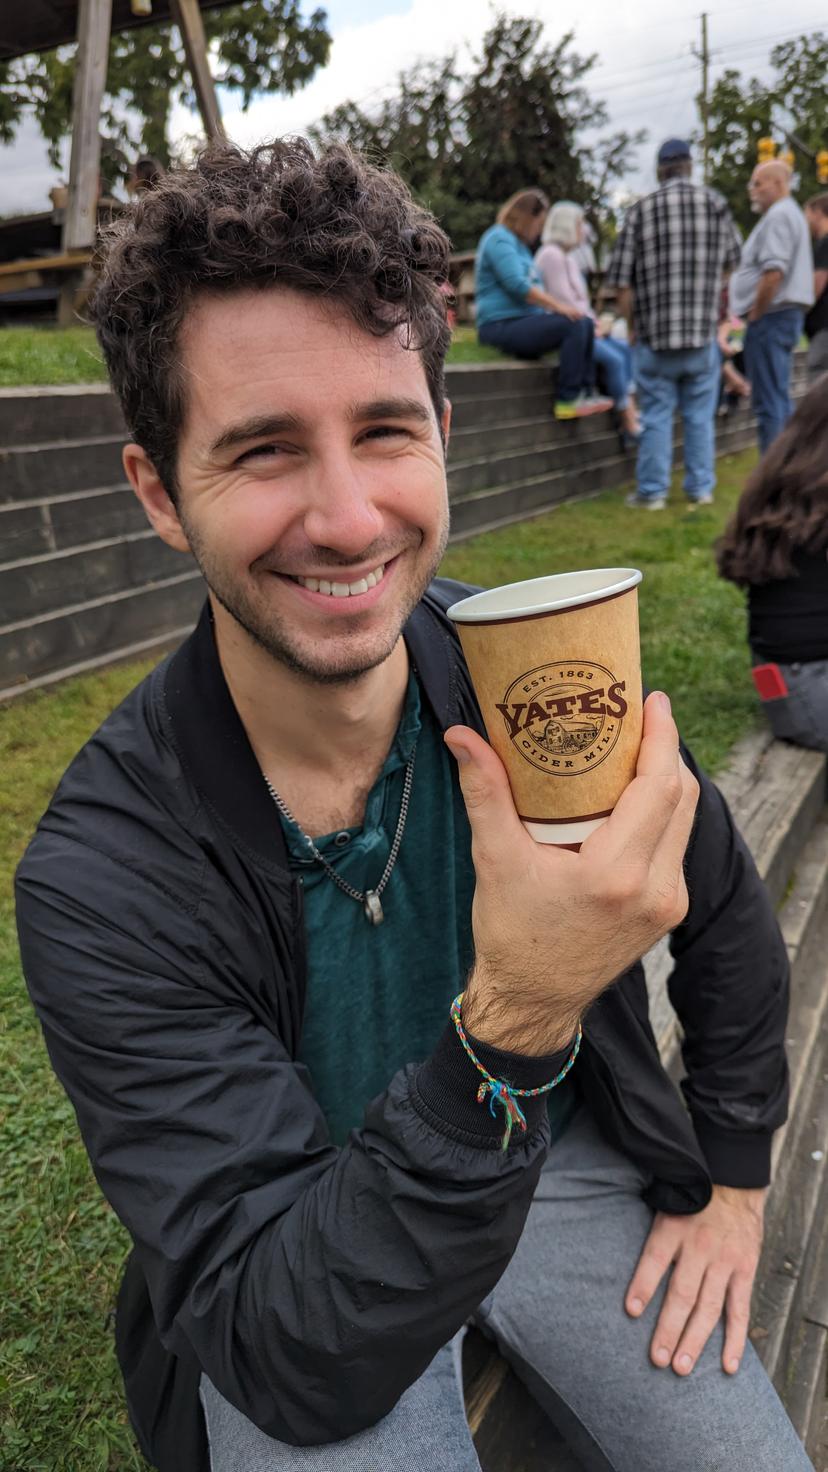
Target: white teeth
{"x": 343, "y": 590}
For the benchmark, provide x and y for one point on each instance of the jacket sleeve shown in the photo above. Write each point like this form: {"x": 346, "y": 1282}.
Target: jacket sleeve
{"x": 730, "y": 989}
{"x": 510, "y": 265}
{"x": 313, "y": 1284}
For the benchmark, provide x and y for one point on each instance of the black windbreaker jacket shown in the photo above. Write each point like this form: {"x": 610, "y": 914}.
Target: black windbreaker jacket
{"x": 162, "y": 942}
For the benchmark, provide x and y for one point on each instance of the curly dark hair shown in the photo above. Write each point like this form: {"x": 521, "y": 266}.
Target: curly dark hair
{"x": 332, "y": 225}
{"x": 784, "y": 506}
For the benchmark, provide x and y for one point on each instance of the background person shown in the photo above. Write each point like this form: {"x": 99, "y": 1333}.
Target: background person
{"x": 516, "y": 314}
{"x": 557, "y": 261}
{"x": 146, "y": 173}
{"x": 816, "y": 322}
{"x": 669, "y": 291}
{"x": 771, "y": 289}
{"x": 776, "y": 547}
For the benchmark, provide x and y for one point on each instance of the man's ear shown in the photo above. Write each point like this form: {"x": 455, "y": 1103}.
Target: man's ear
{"x": 150, "y": 491}
{"x": 445, "y": 422}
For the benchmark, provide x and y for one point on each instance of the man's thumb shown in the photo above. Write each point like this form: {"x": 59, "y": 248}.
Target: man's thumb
{"x": 483, "y": 781}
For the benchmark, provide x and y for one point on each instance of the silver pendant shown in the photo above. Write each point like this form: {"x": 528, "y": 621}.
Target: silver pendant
{"x": 372, "y": 907}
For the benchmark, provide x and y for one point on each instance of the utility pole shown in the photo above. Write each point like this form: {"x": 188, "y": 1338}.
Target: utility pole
{"x": 704, "y": 58}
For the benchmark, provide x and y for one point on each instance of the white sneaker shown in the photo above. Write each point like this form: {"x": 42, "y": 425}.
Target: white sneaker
{"x": 646, "y": 503}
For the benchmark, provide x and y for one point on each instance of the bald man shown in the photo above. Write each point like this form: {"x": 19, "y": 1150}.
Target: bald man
{"x": 773, "y": 288}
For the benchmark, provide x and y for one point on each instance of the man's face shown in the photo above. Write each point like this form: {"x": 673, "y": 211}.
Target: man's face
{"x": 312, "y": 477}
{"x": 765, "y": 188}
{"x": 817, "y": 222}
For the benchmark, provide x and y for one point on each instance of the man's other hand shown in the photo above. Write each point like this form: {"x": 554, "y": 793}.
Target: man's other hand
{"x": 713, "y": 1256}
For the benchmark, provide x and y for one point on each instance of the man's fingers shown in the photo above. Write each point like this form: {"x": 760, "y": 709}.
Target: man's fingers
{"x": 682, "y": 1297}
{"x": 655, "y": 1259}
{"x": 653, "y": 818}
{"x": 702, "y": 1321}
{"x": 737, "y": 1320}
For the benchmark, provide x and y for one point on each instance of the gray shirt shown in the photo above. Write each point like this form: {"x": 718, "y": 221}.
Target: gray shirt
{"x": 780, "y": 241}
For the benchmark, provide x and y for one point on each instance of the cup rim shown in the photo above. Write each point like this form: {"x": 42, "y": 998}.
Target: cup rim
{"x": 532, "y": 597}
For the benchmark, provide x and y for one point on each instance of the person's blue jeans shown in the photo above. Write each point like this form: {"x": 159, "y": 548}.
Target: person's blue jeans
{"x": 614, "y": 358}
{"x": 557, "y": 1315}
{"x": 687, "y": 380}
{"x": 769, "y": 344}
{"x": 538, "y": 333}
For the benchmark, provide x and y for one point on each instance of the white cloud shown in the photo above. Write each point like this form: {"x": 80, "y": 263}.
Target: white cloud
{"x": 646, "y": 73}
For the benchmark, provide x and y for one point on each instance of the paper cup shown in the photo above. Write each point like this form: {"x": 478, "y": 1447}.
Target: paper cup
{"x": 556, "y": 667}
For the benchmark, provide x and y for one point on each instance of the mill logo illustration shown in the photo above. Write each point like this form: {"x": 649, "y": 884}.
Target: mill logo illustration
{"x": 564, "y": 718}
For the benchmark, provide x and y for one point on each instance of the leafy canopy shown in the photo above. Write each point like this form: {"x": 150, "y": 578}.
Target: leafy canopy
{"x": 793, "y": 105}
{"x": 464, "y": 143}
{"x": 258, "y": 46}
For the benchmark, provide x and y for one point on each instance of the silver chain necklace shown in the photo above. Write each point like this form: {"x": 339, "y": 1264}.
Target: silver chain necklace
{"x": 370, "y": 900}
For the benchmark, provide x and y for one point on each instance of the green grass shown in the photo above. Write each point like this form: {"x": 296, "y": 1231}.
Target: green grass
{"x": 466, "y": 349}
{"x": 61, "y": 1402}
{"x": 44, "y": 355}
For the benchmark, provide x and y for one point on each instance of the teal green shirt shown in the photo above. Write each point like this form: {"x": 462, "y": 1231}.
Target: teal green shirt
{"x": 378, "y": 996}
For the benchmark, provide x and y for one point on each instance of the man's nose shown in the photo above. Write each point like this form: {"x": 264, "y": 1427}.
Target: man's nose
{"x": 342, "y": 513}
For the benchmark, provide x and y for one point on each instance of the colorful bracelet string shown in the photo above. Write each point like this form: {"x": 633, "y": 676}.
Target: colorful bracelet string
{"x": 502, "y": 1093}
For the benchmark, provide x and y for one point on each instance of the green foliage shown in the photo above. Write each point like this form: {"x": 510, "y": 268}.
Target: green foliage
{"x": 793, "y": 105}
{"x": 259, "y": 45}
{"x": 465, "y": 143}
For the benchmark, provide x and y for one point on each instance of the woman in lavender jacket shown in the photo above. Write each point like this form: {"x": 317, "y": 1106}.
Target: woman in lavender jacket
{"x": 563, "y": 232}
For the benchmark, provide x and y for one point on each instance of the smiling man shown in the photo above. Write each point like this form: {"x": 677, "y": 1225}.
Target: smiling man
{"x": 355, "y": 1061}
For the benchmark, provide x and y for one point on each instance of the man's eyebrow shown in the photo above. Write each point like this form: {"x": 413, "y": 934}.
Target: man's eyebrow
{"x": 399, "y": 408}
{"x": 259, "y": 426}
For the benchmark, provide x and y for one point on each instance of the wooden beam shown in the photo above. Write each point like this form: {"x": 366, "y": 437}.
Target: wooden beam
{"x": 187, "y": 16}
{"x": 94, "y": 23}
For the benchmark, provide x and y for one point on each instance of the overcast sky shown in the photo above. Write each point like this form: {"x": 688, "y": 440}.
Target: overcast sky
{"x": 646, "y": 73}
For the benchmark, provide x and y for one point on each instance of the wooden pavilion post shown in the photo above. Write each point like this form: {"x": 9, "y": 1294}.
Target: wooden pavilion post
{"x": 80, "y": 224}
{"x": 187, "y": 16}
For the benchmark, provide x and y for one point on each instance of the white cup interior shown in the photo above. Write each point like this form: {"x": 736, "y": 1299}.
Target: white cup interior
{"x": 544, "y": 595}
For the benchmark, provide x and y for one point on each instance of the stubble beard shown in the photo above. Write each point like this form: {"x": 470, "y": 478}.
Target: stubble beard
{"x": 271, "y": 633}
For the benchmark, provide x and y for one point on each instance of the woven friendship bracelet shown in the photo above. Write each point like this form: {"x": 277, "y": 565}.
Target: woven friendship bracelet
{"x": 502, "y": 1093}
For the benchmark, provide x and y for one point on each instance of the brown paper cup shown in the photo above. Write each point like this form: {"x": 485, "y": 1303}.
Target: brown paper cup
{"x": 556, "y": 667}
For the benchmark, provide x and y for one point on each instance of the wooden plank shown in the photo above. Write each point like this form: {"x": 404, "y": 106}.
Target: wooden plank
{"x": 63, "y": 262}
{"x": 94, "y": 21}
{"x": 187, "y": 16}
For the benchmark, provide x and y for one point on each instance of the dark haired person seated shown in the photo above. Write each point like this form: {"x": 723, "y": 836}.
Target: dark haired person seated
{"x": 282, "y": 924}
{"x": 515, "y": 313}
{"x": 776, "y": 546}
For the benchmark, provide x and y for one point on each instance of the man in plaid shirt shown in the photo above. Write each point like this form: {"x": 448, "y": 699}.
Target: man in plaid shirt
{"x": 670, "y": 259}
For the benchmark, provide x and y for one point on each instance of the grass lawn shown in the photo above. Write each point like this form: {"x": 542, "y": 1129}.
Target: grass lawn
{"x": 43, "y": 355}
{"x": 61, "y": 1406}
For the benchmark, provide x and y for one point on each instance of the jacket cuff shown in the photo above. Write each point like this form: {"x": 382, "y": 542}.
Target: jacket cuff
{"x": 735, "y": 1158}
{"x": 448, "y": 1082}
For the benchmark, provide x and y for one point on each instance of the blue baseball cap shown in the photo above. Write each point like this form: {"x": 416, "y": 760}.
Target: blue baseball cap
{"x": 673, "y": 150}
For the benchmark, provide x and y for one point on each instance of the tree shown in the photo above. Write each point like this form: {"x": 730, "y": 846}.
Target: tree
{"x": 464, "y": 144}
{"x": 259, "y": 46}
{"x": 792, "y": 106}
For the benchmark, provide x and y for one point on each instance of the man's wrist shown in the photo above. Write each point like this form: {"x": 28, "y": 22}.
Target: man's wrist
{"x": 497, "y": 1015}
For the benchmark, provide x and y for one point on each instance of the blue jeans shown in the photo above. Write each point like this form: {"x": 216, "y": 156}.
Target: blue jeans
{"x": 614, "y": 358}
{"x": 687, "y": 380}
{"x": 539, "y": 333}
{"x": 558, "y": 1316}
{"x": 769, "y": 344}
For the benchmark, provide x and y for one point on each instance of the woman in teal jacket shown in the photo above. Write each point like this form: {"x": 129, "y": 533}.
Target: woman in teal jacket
{"x": 515, "y": 314}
